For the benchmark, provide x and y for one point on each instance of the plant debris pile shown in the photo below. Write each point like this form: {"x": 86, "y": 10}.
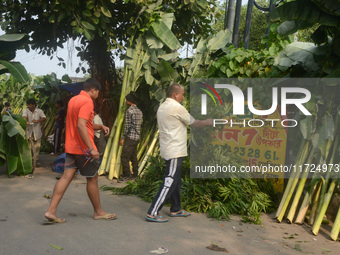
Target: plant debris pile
{"x": 218, "y": 198}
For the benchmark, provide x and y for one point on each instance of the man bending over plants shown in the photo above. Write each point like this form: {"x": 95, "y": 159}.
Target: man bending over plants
{"x": 172, "y": 119}
{"x": 81, "y": 151}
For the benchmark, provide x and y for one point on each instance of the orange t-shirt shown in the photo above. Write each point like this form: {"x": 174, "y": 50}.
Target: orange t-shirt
{"x": 80, "y": 106}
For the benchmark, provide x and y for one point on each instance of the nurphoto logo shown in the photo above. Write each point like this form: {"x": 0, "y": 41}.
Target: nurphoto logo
{"x": 289, "y": 96}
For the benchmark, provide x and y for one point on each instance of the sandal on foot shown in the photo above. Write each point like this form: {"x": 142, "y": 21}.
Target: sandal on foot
{"x": 180, "y": 214}
{"x": 50, "y": 222}
{"x": 109, "y": 216}
{"x": 158, "y": 218}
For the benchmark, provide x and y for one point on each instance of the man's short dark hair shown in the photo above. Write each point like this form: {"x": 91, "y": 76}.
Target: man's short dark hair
{"x": 91, "y": 83}
{"x": 7, "y": 104}
{"x": 31, "y": 101}
{"x": 132, "y": 97}
{"x": 173, "y": 88}
{"x": 60, "y": 102}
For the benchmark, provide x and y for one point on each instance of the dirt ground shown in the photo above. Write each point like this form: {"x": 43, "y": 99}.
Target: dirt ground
{"x": 22, "y": 205}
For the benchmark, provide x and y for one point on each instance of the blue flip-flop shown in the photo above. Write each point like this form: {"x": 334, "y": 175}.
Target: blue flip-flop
{"x": 156, "y": 219}
{"x": 180, "y": 214}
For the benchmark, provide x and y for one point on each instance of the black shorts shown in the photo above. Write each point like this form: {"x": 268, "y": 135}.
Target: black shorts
{"x": 87, "y": 166}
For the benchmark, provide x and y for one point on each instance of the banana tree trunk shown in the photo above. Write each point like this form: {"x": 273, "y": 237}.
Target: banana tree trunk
{"x": 294, "y": 182}
{"x": 336, "y": 227}
{"x": 324, "y": 206}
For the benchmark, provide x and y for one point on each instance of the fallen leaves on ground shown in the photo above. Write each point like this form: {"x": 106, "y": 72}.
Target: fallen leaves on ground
{"x": 56, "y": 246}
{"x": 215, "y": 247}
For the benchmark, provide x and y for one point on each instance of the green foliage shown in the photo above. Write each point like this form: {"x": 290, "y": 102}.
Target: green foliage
{"x": 146, "y": 187}
{"x": 44, "y": 89}
{"x": 322, "y": 17}
{"x": 9, "y": 43}
{"x": 14, "y": 92}
{"x": 109, "y": 24}
{"x": 218, "y": 198}
{"x": 14, "y": 146}
{"x": 238, "y": 62}
{"x": 305, "y": 35}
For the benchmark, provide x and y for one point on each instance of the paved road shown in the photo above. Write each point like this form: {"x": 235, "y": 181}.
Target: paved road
{"x": 22, "y": 205}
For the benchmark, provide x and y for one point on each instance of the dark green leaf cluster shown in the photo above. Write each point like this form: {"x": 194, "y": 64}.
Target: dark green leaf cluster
{"x": 323, "y": 18}
{"x": 14, "y": 146}
{"x": 238, "y": 62}
{"x": 9, "y": 43}
{"x": 52, "y": 23}
{"x": 218, "y": 198}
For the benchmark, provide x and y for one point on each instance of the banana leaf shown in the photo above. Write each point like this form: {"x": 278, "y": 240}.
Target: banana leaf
{"x": 16, "y": 69}
{"x": 8, "y": 45}
{"x": 306, "y": 10}
{"x": 14, "y": 146}
{"x": 162, "y": 31}
{"x": 166, "y": 72}
{"x": 299, "y": 53}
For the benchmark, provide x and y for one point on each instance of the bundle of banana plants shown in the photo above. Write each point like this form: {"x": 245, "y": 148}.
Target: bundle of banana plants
{"x": 14, "y": 148}
{"x": 152, "y": 61}
{"x": 15, "y": 92}
{"x": 154, "y": 45}
{"x": 317, "y": 164}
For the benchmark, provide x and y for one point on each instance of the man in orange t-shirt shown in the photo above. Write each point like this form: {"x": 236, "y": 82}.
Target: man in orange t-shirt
{"x": 81, "y": 152}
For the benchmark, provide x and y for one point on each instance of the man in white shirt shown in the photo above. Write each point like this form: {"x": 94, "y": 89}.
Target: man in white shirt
{"x": 172, "y": 120}
{"x": 99, "y": 135}
{"x": 35, "y": 118}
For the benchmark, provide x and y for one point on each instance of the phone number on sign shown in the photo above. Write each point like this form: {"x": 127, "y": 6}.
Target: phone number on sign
{"x": 253, "y": 153}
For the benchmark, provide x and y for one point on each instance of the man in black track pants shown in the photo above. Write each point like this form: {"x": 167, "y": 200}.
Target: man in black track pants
{"x": 172, "y": 120}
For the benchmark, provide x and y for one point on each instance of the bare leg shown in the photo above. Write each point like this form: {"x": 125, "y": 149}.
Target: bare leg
{"x": 93, "y": 193}
{"x": 58, "y": 193}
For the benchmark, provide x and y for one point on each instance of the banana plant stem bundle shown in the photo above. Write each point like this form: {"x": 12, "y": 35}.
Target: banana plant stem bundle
{"x": 299, "y": 190}
{"x": 290, "y": 181}
{"x": 324, "y": 206}
{"x": 295, "y": 180}
{"x": 336, "y": 227}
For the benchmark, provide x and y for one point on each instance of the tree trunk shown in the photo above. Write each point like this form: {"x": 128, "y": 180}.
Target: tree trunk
{"x": 102, "y": 67}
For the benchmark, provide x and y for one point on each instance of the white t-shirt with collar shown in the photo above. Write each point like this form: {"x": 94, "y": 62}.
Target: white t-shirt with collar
{"x": 34, "y": 129}
{"x": 173, "y": 119}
